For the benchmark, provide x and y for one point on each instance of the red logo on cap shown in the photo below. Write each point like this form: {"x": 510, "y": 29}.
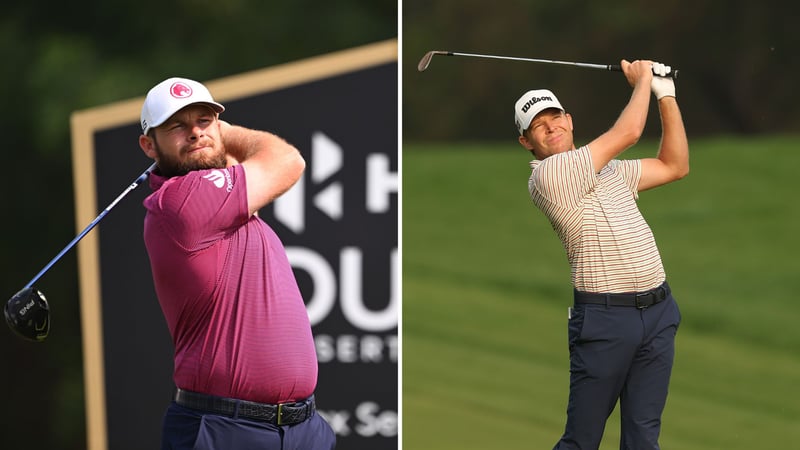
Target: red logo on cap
{"x": 180, "y": 90}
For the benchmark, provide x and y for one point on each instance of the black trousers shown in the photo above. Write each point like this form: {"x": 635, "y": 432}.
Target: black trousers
{"x": 625, "y": 354}
{"x": 189, "y": 429}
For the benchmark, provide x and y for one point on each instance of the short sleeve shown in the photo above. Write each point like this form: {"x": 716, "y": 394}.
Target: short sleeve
{"x": 563, "y": 179}
{"x": 202, "y": 206}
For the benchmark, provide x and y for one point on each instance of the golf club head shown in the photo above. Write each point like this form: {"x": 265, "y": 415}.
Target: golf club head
{"x": 28, "y": 314}
{"x": 426, "y": 59}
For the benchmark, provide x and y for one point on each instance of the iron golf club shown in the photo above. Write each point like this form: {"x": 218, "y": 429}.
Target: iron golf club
{"x": 27, "y": 312}
{"x": 426, "y": 61}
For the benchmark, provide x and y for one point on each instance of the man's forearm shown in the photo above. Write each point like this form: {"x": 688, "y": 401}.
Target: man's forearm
{"x": 674, "y": 149}
{"x": 633, "y": 117}
{"x": 244, "y": 143}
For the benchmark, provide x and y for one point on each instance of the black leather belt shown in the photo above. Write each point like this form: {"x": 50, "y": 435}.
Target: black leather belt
{"x": 639, "y": 300}
{"x": 280, "y": 414}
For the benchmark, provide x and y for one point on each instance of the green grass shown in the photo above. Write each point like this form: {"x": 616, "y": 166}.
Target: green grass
{"x": 486, "y": 289}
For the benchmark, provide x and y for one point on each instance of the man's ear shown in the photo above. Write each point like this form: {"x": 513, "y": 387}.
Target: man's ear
{"x": 148, "y": 146}
{"x": 523, "y": 141}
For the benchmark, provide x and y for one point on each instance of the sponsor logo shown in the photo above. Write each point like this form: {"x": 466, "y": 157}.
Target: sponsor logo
{"x": 326, "y": 162}
{"x": 26, "y": 308}
{"x": 218, "y": 178}
{"x": 535, "y": 100}
{"x": 180, "y": 90}
{"x": 327, "y": 159}
{"x": 368, "y": 419}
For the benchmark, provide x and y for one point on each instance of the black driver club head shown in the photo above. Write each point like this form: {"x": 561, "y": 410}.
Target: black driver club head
{"x": 28, "y": 314}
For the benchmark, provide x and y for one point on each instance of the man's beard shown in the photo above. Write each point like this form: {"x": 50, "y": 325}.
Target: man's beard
{"x": 175, "y": 166}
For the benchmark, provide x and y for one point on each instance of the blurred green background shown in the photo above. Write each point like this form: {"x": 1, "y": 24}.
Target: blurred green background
{"x": 485, "y": 279}
{"x": 737, "y": 62}
{"x": 486, "y": 288}
{"x": 59, "y": 57}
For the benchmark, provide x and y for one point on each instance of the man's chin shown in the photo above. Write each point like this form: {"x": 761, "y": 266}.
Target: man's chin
{"x": 172, "y": 169}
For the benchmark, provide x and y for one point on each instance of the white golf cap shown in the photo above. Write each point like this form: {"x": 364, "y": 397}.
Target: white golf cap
{"x": 532, "y": 103}
{"x": 169, "y": 96}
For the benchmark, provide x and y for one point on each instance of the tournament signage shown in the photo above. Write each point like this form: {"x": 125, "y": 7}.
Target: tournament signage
{"x": 338, "y": 223}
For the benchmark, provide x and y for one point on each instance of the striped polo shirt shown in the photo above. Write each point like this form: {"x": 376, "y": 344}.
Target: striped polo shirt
{"x": 609, "y": 245}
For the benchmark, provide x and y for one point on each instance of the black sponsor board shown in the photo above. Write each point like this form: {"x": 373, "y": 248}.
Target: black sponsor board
{"x": 338, "y": 224}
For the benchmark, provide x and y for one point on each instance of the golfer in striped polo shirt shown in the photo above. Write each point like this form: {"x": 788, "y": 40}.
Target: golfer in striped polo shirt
{"x": 623, "y": 322}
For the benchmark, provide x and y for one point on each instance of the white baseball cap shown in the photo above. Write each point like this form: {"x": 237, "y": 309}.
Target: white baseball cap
{"x": 532, "y": 103}
{"x": 169, "y": 96}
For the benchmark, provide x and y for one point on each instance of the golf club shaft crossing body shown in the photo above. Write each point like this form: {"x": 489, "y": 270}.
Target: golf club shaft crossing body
{"x": 94, "y": 222}
{"x": 426, "y": 61}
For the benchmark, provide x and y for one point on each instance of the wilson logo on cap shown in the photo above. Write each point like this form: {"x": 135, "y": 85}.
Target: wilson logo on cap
{"x": 533, "y": 101}
{"x": 180, "y": 90}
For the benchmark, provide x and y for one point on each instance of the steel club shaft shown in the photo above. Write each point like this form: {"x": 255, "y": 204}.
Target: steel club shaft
{"x": 425, "y": 62}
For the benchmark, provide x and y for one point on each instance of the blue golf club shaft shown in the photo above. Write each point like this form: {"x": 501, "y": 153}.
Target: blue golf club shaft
{"x": 89, "y": 228}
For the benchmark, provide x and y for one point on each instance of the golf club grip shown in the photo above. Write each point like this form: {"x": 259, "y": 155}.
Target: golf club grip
{"x": 673, "y": 73}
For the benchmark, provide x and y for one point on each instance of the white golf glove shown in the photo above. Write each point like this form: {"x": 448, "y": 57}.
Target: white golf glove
{"x": 662, "y": 85}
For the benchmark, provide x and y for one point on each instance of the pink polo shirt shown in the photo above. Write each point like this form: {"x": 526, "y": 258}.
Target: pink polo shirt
{"x": 230, "y": 299}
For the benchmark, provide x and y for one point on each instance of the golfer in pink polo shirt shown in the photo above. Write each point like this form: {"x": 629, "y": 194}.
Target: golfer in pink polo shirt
{"x": 245, "y": 362}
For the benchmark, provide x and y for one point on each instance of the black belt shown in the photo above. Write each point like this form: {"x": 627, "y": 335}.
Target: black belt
{"x": 640, "y": 300}
{"x": 280, "y": 414}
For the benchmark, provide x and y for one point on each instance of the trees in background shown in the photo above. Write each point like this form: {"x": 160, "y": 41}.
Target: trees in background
{"x": 737, "y": 62}
{"x": 59, "y": 57}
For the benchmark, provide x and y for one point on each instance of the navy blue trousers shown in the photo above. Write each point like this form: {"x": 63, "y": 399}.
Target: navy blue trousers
{"x": 189, "y": 429}
{"x": 625, "y": 354}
